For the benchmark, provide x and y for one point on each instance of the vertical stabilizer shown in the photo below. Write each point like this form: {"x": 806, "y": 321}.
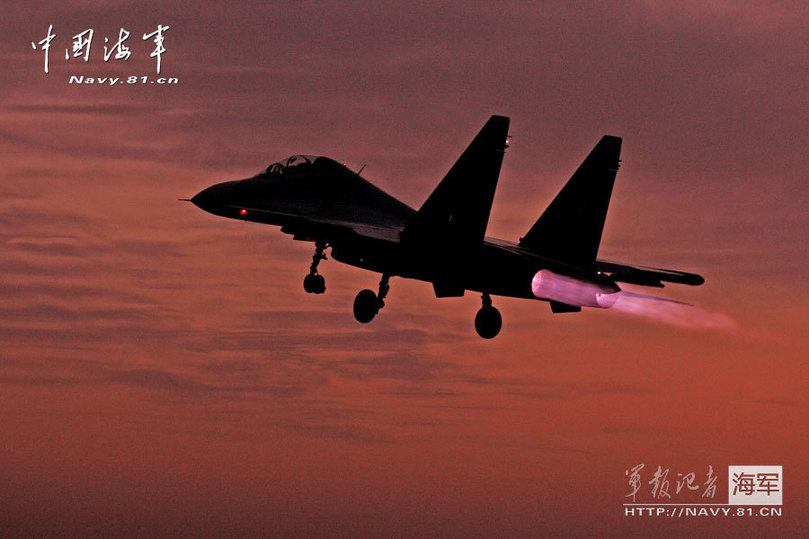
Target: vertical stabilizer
{"x": 458, "y": 209}
{"x": 569, "y": 230}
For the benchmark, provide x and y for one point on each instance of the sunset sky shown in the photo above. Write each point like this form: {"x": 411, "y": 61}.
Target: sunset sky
{"x": 163, "y": 373}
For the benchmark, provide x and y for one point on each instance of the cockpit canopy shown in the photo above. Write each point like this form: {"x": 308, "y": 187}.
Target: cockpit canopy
{"x": 291, "y": 165}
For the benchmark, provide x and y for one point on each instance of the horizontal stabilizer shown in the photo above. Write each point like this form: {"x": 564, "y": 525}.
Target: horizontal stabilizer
{"x": 646, "y": 276}
{"x": 570, "y": 229}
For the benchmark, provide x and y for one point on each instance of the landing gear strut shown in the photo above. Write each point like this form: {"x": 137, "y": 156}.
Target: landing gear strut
{"x": 367, "y": 304}
{"x": 314, "y": 283}
{"x": 488, "y": 320}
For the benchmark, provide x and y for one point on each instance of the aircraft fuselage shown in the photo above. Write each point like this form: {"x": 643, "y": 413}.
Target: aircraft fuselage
{"x": 443, "y": 242}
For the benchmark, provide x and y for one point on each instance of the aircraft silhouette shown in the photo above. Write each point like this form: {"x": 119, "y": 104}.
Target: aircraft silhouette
{"x": 319, "y": 200}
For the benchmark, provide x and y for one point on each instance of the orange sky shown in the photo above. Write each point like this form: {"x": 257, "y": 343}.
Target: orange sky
{"x": 162, "y": 371}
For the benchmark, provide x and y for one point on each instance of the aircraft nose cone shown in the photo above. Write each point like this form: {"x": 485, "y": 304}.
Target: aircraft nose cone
{"x": 202, "y": 200}
{"x": 212, "y": 198}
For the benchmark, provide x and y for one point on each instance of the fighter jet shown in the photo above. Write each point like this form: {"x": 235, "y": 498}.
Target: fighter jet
{"x": 319, "y": 200}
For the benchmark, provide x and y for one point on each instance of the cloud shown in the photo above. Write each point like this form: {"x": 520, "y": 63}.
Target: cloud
{"x": 79, "y": 108}
{"x": 120, "y": 306}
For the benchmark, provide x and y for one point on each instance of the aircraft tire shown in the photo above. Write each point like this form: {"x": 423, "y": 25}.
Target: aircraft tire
{"x": 319, "y": 284}
{"x": 488, "y": 322}
{"x": 366, "y": 306}
{"x": 314, "y": 284}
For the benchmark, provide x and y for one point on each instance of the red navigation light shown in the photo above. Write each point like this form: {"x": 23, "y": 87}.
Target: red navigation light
{"x": 242, "y": 212}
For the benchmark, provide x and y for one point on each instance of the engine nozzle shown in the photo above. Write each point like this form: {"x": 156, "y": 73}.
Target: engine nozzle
{"x": 572, "y": 291}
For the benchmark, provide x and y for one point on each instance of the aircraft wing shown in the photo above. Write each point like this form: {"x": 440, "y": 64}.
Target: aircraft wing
{"x": 645, "y": 276}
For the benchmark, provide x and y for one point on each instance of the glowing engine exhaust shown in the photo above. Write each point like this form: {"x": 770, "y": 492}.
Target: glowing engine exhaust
{"x": 571, "y": 291}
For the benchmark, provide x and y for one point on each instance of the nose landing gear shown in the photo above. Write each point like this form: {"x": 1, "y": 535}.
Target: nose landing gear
{"x": 367, "y": 304}
{"x": 488, "y": 320}
{"x": 315, "y": 283}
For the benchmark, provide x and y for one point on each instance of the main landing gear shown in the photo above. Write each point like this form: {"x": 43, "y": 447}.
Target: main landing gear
{"x": 315, "y": 283}
{"x": 488, "y": 320}
{"x": 367, "y": 304}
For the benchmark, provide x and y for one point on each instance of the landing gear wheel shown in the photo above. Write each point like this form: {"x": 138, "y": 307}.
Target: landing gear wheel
{"x": 314, "y": 284}
{"x": 320, "y": 284}
{"x": 488, "y": 322}
{"x": 366, "y": 306}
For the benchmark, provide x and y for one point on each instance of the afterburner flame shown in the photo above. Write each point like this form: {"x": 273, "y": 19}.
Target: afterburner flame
{"x": 669, "y": 311}
{"x": 571, "y": 291}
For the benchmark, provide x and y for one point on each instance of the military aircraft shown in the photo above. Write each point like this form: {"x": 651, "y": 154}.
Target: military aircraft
{"x": 319, "y": 200}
